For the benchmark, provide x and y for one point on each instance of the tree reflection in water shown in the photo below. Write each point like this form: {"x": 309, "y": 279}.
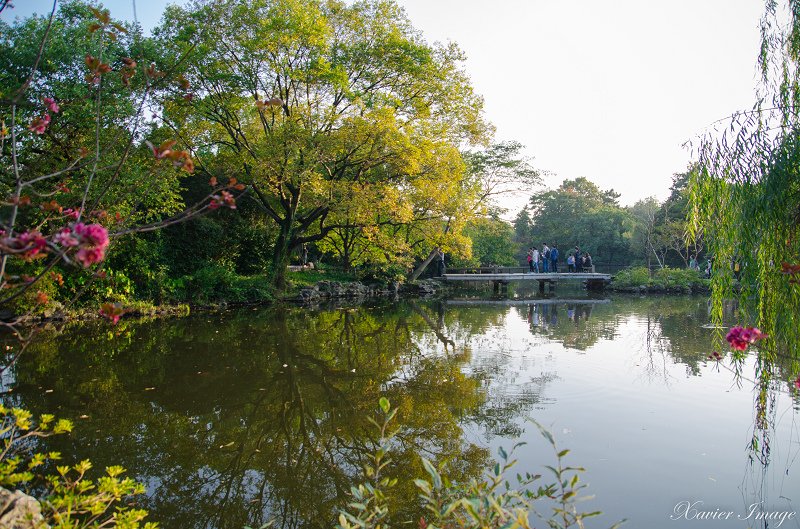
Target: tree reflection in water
{"x": 238, "y": 417}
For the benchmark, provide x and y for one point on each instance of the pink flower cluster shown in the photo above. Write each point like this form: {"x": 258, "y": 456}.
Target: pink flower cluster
{"x": 39, "y": 125}
{"x": 90, "y": 239}
{"x": 223, "y": 199}
{"x": 741, "y": 337}
{"x": 112, "y": 311}
{"x": 28, "y": 245}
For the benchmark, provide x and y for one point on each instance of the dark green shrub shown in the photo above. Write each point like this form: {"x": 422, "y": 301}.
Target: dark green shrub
{"x": 632, "y": 277}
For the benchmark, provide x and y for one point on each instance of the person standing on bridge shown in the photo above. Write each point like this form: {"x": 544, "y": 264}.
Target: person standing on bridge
{"x": 571, "y": 263}
{"x": 578, "y": 261}
{"x": 529, "y": 257}
{"x": 554, "y": 259}
{"x": 587, "y": 263}
{"x": 545, "y": 257}
{"x": 535, "y": 260}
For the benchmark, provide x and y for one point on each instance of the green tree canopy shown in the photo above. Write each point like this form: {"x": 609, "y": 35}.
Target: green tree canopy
{"x": 577, "y": 213}
{"x": 308, "y": 102}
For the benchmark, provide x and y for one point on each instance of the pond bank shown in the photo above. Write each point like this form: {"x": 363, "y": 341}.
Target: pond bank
{"x": 319, "y": 292}
{"x": 327, "y": 290}
{"x": 659, "y": 289}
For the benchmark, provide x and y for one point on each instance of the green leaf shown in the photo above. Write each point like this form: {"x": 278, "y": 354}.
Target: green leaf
{"x": 430, "y": 469}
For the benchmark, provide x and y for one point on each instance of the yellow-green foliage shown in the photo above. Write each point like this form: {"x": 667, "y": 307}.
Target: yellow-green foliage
{"x": 72, "y": 500}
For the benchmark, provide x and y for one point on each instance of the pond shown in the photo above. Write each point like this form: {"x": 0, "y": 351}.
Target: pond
{"x": 236, "y": 417}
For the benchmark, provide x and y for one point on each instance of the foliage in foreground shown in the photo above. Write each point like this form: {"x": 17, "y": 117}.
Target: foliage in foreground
{"x": 71, "y": 500}
{"x": 745, "y": 195}
{"x": 487, "y": 503}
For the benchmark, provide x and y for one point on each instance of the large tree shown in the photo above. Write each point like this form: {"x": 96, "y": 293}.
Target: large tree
{"x": 577, "y": 213}
{"x": 308, "y": 101}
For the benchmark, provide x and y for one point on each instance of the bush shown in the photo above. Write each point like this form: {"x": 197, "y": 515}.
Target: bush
{"x": 216, "y": 283}
{"x": 632, "y": 277}
{"x": 210, "y": 283}
{"x": 684, "y": 279}
{"x": 676, "y": 277}
{"x": 38, "y": 300}
{"x": 383, "y": 273}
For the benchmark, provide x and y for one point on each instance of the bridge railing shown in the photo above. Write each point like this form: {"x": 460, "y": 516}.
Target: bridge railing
{"x": 502, "y": 270}
{"x": 488, "y": 270}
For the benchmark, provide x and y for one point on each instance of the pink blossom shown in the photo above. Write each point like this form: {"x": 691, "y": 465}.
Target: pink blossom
{"x": 33, "y": 242}
{"x": 89, "y": 255}
{"x": 91, "y": 240}
{"x": 93, "y": 234}
{"x": 797, "y": 383}
{"x": 51, "y": 104}
{"x": 740, "y": 337}
{"x": 112, "y": 311}
{"x": 39, "y": 125}
{"x": 223, "y": 199}
{"x": 28, "y": 244}
{"x": 66, "y": 238}
{"x": 71, "y": 213}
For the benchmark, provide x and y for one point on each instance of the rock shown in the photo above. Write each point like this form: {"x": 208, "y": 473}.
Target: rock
{"x": 334, "y": 289}
{"x": 309, "y": 295}
{"x": 419, "y": 288}
{"x": 20, "y": 511}
{"x": 330, "y": 289}
{"x": 357, "y": 290}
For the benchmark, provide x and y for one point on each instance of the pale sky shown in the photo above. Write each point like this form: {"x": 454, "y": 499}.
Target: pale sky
{"x": 606, "y": 89}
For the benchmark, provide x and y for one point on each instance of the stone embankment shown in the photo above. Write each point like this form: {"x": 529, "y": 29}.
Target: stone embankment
{"x": 326, "y": 290}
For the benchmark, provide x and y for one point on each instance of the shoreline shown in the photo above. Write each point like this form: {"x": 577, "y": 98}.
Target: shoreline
{"x": 323, "y": 291}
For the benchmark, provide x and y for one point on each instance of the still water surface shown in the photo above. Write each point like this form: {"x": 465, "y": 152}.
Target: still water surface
{"x": 242, "y": 416}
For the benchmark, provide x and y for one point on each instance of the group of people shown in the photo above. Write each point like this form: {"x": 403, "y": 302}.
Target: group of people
{"x": 545, "y": 260}
{"x": 694, "y": 264}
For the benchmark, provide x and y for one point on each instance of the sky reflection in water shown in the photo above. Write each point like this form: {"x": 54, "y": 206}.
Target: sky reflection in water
{"x": 236, "y": 417}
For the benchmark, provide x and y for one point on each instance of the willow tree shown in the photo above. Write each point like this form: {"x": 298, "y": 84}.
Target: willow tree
{"x": 307, "y": 101}
{"x": 746, "y": 191}
{"x": 746, "y": 199}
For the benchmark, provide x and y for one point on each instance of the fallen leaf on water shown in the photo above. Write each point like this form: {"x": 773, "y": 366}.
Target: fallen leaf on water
{"x": 149, "y": 389}
{"x": 84, "y": 416}
{"x": 48, "y": 391}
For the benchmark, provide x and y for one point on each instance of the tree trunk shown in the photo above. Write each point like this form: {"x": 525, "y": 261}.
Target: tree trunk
{"x": 421, "y": 268}
{"x": 280, "y": 256}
